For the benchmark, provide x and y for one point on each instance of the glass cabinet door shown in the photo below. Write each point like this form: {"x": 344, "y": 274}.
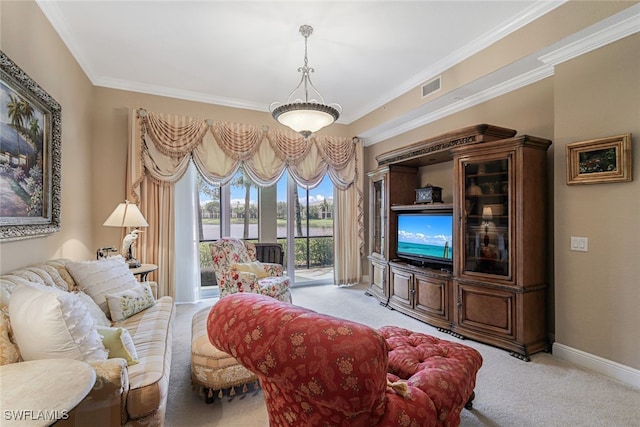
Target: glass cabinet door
{"x": 378, "y": 217}
{"x": 486, "y": 221}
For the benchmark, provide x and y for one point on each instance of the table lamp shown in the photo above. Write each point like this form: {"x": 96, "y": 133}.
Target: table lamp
{"x": 128, "y": 215}
{"x": 487, "y": 214}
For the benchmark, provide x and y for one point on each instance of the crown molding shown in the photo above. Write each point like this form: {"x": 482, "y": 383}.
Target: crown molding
{"x": 542, "y": 63}
{"x": 176, "y": 93}
{"x": 601, "y": 34}
{"x": 52, "y": 12}
{"x": 383, "y": 132}
{"x": 529, "y": 15}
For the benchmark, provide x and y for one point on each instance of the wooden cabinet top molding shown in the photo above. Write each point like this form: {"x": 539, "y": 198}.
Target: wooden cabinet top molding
{"x": 436, "y": 149}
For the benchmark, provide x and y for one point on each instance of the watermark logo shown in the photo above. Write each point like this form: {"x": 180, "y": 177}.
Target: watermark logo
{"x": 34, "y": 415}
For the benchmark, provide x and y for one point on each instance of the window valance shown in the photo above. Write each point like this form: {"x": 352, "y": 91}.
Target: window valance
{"x": 165, "y": 143}
{"x": 162, "y": 146}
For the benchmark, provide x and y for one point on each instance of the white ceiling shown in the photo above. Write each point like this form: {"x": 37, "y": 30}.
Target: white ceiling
{"x": 246, "y": 53}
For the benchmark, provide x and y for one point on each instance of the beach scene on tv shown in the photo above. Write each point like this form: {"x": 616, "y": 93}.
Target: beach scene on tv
{"x": 425, "y": 236}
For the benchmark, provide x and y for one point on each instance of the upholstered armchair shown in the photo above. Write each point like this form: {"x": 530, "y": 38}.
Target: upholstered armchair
{"x": 237, "y": 270}
{"x": 318, "y": 370}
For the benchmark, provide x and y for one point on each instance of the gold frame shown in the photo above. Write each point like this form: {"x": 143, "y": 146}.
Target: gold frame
{"x": 599, "y": 161}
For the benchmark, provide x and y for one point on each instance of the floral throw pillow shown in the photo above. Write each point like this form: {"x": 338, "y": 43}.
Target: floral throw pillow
{"x": 9, "y": 352}
{"x": 125, "y": 304}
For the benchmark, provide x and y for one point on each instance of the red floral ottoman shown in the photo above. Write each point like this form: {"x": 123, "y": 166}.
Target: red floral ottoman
{"x": 444, "y": 369}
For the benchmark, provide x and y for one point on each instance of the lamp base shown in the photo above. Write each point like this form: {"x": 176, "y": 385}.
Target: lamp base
{"x": 133, "y": 263}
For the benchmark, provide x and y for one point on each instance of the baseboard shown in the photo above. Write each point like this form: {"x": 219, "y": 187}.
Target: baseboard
{"x": 617, "y": 371}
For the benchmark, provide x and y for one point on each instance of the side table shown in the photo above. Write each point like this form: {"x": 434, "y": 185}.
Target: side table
{"x": 41, "y": 392}
{"x": 143, "y": 271}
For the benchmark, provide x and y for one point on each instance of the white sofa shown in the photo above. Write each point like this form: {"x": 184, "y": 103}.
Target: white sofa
{"x": 133, "y": 394}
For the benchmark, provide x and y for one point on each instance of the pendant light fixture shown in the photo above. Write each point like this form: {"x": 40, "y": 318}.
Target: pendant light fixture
{"x": 303, "y": 112}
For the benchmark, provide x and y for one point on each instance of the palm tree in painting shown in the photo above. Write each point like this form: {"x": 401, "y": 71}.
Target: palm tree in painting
{"x": 34, "y": 131}
{"x": 15, "y": 111}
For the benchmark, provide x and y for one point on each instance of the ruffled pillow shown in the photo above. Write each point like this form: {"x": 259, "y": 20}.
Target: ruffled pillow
{"x": 52, "y": 324}
{"x": 125, "y": 304}
{"x": 102, "y": 277}
{"x": 254, "y": 267}
{"x": 94, "y": 309}
{"x": 119, "y": 343}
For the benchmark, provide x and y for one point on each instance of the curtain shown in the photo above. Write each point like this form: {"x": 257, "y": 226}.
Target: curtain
{"x": 163, "y": 144}
{"x": 187, "y": 250}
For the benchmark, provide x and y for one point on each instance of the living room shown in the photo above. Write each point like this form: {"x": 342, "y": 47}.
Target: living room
{"x": 592, "y": 303}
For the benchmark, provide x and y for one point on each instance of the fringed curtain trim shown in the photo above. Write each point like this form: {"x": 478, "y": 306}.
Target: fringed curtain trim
{"x": 163, "y": 145}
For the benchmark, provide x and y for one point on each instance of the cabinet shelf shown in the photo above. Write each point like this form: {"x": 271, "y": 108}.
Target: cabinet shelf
{"x": 422, "y": 207}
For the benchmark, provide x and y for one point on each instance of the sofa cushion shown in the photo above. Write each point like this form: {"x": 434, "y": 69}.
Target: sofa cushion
{"x": 151, "y": 331}
{"x": 119, "y": 343}
{"x": 102, "y": 277}
{"x": 52, "y": 324}
{"x": 129, "y": 302}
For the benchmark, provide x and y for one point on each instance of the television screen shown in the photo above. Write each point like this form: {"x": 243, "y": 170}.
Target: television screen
{"x": 427, "y": 236}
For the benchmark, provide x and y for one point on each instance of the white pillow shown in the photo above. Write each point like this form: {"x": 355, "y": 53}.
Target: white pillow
{"x": 101, "y": 277}
{"x": 52, "y": 324}
{"x": 127, "y": 303}
{"x": 94, "y": 309}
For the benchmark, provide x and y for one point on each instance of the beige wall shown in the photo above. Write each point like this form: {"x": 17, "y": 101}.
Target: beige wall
{"x": 598, "y": 292}
{"x": 29, "y": 40}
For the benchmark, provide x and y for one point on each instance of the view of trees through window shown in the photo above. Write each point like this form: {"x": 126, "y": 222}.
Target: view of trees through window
{"x": 234, "y": 210}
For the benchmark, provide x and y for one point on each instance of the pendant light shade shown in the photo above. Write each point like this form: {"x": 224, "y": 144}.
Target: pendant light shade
{"x": 303, "y": 112}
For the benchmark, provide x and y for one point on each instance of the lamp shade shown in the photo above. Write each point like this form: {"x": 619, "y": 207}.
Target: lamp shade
{"x": 487, "y": 213}
{"x": 126, "y": 215}
{"x": 306, "y": 117}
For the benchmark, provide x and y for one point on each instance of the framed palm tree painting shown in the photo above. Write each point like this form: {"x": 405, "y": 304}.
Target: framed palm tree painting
{"x": 30, "y": 156}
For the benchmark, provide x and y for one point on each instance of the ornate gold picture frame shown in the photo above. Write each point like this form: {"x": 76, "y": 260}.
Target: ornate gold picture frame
{"x": 600, "y": 161}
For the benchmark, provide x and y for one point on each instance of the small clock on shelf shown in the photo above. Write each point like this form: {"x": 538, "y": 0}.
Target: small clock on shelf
{"x": 429, "y": 194}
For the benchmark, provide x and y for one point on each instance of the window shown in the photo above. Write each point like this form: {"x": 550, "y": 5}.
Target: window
{"x": 234, "y": 209}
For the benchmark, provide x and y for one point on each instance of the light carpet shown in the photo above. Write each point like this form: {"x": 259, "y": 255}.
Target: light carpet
{"x": 509, "y": 392}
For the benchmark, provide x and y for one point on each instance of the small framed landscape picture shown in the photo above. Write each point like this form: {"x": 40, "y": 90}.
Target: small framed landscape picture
{"x": 30, "y": 156}
{"x": 600, "y": 160}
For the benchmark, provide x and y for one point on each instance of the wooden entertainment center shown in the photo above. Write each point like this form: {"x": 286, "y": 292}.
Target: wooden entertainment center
{"x": 495, "y": 289}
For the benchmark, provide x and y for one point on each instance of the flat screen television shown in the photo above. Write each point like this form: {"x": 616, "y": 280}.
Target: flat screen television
{"x": 426, "y": 237}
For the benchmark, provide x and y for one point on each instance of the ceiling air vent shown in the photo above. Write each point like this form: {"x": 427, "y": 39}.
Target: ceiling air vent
{"x": 431, "y": 86}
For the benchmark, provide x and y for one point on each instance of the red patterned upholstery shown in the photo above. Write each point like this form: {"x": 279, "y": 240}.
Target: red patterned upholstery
{"x": 318, "y": 370}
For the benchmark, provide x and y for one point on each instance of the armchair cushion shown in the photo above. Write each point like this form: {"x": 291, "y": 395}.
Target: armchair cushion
{"x": 254, "y": 267}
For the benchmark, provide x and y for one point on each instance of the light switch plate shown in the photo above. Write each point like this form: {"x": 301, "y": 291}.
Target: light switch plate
{"x": 579, "y": 244}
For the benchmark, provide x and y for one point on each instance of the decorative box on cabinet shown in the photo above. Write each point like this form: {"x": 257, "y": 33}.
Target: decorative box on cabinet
{"x": 422, "y": 293}
{"x": 500, "y": 267}
{"x": 389, "y": 185}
